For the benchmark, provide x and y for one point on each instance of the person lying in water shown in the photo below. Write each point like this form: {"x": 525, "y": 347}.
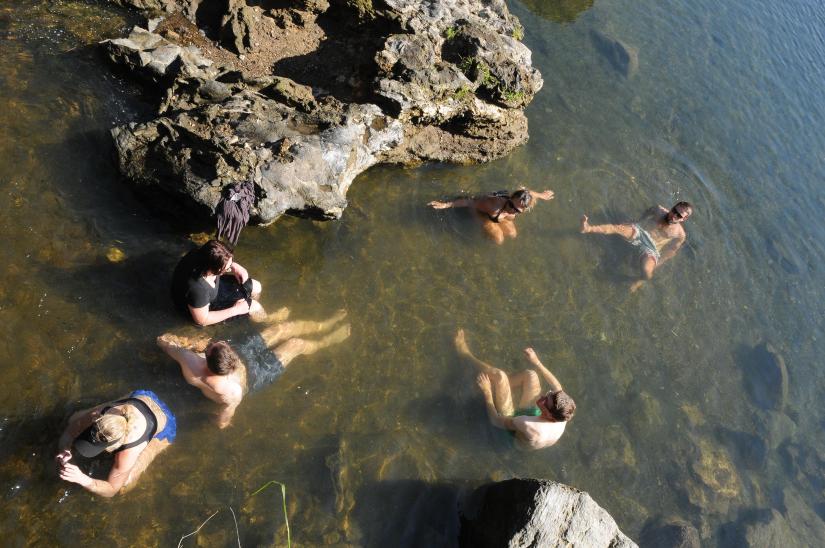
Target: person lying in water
{"x": 210, "y": 287}
{"x": 135, "y": 429}
{"x": 226, "y": 373}
{"x": 539, "y": 420}
{"x": 498, "y": 210}
{"x": 658, "y": 235}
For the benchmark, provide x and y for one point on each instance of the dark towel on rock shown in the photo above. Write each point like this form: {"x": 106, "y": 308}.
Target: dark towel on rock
{"x": 233, "y": 210}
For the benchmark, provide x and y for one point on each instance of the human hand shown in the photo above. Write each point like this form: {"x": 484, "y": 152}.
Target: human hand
{"x": 63, "y": 457}
{"x": 530, "y": 354}
{"x": 240, "y": 273}
{"x": 585, "y": 227}
{"x": 435, "y": 204}
{"x": 483, "y": 382}
{"x": 241, "y": 306}
{"x": 71, "y": 473}
{"x": 546, "y": 195}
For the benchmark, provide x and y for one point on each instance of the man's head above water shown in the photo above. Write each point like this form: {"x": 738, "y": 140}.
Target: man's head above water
{"x": 679, "y": 213}
{"x": 557, "y": 406}
{"x": 221, "y": 359}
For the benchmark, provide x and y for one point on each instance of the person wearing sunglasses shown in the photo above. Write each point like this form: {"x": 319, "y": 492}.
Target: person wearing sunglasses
{"x": 658, "y": 235}
{"x": 498, "y": 210}
{"x": 134, "y": 429}
{"x": 210, "y": 287}
{"x": 539, "y": 420}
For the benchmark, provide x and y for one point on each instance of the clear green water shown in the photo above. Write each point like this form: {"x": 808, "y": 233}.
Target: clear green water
{"x": 725, "y": 111}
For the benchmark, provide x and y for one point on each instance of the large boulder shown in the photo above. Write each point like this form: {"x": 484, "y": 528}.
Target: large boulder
{"x": 447, "y": 80}
{"x": 529, "y": 512}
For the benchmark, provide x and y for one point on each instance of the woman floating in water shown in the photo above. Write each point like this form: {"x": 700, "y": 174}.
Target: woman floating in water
{"x": 136, "y": 429}
{"x": 225, "y": 373}
{"x": 498, "y": 210}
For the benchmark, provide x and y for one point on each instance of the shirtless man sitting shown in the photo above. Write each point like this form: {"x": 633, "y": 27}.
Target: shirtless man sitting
{"x": 225, "y": 374}
{"x": 539, "y": 420}
{"x": 658, "y": 235}
{"x": 498, "y": 210}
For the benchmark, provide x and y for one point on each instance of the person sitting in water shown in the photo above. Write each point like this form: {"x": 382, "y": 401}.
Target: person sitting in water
{"x": 540, "y": 420}
{"x": 498, "y": 210}
{"x": 658, "y": 235}
{"x": 210, "y": 287}
{"x": 135, "y": 429}
{"x": 225, "y": 373}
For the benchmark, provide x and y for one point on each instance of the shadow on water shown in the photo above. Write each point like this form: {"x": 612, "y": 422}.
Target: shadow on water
{"x": 408, "y": 513}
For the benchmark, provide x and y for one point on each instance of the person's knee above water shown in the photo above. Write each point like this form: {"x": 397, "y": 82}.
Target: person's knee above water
{"x": 210, "y": 287}
{"x": 135, "y": 429}
{"x": 226, "y": 373}
{"x": 498, "y": 210}
{"x": 658, "y": 235}
{"x": 539, "y": 420}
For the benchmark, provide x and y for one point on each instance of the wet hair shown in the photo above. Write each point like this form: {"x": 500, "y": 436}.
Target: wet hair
{"x": 221, "y": 359}
{"x": 680, "y": 207}
{"x": 522, "y": 199}
{"x": 560, "y": 405}
{"x": 213, "y": 257}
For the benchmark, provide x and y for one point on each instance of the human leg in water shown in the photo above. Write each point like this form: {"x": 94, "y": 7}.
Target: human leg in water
{"x": 502, "y": 392}
{"x": 296, "y": 346}
{"x": 281, "y": 331}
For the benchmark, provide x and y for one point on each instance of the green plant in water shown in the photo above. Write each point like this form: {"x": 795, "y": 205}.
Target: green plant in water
{"x": 451, "y": 33}
{"x": 283, "y": 501}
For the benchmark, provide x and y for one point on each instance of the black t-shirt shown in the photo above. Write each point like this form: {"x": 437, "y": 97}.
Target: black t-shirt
{"x": 188, "y": 286}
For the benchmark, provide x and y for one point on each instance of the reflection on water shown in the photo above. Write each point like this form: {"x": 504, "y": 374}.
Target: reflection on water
{"x": 373, "y": 436}
{"x": 559, "y": 11}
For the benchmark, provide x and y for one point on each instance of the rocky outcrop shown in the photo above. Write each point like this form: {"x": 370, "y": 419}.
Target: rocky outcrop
{"x": 528, "y": 512}
{"x": 444, "y": 81}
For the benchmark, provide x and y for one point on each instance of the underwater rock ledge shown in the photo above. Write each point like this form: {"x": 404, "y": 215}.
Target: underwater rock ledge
{"x": 300, "y": 97}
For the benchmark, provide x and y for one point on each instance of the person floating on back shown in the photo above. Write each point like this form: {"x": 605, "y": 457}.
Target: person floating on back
{"x": 135, "y": 429}
{"x": 658, "y": 235}
{"x": 540, "y": 420}
{"x": 211, "y": 287}
{"x": 225, "y": 373}
{"x": 498, "y": 210}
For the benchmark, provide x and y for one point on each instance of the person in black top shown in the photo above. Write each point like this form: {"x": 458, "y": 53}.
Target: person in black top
{"x": 210, "y": 287}
{"x": 498, "y": 210}
{"x": 135, "y": 429}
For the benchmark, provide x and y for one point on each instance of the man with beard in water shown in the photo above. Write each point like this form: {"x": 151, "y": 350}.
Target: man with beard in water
{"x": 658, "y": 235}
{"x": 225, "y": 374}
{"x": 539, "y": 420}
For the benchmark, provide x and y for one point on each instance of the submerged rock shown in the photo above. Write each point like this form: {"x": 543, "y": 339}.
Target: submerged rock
{"x": 766, "y": 377}
{"x": 669, "y": 533}
{"x": 445, "y": 81}
{"x": 622, "y": 57}
{"x": 529, "y": 512}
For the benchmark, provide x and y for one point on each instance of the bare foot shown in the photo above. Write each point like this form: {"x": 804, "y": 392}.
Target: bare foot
{"x": 278, "y": 316}
{"x": 634, "y": 287}
{"x": 339, "y": 315}
{"x": 585, "y": 228}
{"x": 339, "y": 335}
{"x": 461, "y": 343}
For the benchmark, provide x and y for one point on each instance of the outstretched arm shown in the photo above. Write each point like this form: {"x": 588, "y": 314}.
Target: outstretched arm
{"x": 551, "y": 379}
{"x": 192, "y": 365}
{"x": 124, "y": 461}
{"x": 545, "y": 195}
{"x": 458, "y": 202}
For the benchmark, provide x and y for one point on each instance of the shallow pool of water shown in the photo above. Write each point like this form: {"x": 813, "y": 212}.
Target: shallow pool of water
{"x": 375, "y": 437}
